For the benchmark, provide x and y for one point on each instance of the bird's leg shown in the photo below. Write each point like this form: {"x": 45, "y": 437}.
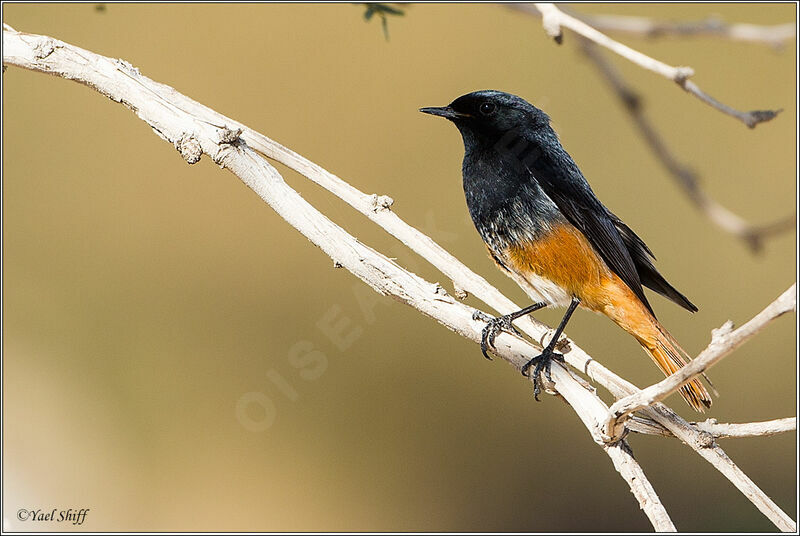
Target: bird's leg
{"x": 500, "y": 323}
{"x": 542, "y": 361}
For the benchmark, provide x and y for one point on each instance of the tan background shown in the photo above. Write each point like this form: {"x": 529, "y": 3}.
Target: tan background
{"x": 145, "y": 298}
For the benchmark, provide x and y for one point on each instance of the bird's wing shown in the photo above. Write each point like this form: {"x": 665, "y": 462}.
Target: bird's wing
{"x": 623, "y": 251}
{"x": 562, "y": 181}
{"x": 648, "y": 275}
{"x": 590, "y": 217}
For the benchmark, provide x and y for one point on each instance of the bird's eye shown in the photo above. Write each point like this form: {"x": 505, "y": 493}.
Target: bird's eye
{"x": 487, "y": 108}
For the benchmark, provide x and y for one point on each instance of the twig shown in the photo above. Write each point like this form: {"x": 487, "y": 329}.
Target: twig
{"x": 180, "y": 121}
{"x": 704, "y": 444}
{"x": 773, "y": 35}
{"x": 723, "y": 341}
{"x": 641, "y": 425}
{"x": 553, "y": 19}
{"x": 588, "y": 406}
{"x": 752, "y": 235}
{"x": 750, "y": 429}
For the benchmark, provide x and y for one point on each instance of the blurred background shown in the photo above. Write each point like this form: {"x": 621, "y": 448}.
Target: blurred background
{"x": 176, "y": 357}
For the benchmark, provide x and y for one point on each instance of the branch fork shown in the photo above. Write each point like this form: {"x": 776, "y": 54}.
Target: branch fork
{"x": 554, "y": 18}
{"x": 724, "y": 340}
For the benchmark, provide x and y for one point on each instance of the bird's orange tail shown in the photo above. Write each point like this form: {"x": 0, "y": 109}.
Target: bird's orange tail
{"x": 618, "y": 303}
{"x": 670, "y": 357}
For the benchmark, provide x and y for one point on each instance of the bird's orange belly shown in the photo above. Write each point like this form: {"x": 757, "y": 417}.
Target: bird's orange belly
{"x": 562, "y": 260}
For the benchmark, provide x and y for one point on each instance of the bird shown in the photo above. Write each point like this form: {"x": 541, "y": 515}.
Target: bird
{"x": 546, "y": 229}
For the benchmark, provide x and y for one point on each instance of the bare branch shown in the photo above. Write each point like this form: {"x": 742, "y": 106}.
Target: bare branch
{"x": 723, "y": 341}
{"x": 554, "y": 18}
{"x": 700, "y": 441}
{"x": 192, "y": 130}
{"x": 749, "y": 429}
{"x": 631, "y": 471}
{"x": 752, "y": 235}
{"x": 588, "y": 406}
{"x": 641, "y": 425}
{"x": 773, "y": 35}
{"x": 703, "y": 443}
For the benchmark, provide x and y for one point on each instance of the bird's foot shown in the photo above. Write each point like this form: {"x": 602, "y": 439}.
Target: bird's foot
{"x": 541, "y": 363}
{"x": 494, "y": 325}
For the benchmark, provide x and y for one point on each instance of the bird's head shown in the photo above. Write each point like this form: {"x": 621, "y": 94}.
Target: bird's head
{"x": 489, "y": 114}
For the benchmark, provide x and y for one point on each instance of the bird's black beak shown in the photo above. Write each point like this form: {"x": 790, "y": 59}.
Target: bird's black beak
{"x": 444, "y": 111}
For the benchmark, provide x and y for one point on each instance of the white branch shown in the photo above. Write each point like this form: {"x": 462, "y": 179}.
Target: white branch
{"x": 704, "y": 444}
{"x": 774, "y": 35}
{"x": 749, "y": 429}
{"x": 588, "y": 406}
{"x": 700, "y": 441}
{"x": 553, "y": 19}
{"x": 718, "y": 430}
{"x": 723, "y": 341}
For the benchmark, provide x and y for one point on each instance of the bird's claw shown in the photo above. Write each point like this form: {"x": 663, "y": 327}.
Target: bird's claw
{"x": 494, "y": 325}
{"x": 541, "y": 363}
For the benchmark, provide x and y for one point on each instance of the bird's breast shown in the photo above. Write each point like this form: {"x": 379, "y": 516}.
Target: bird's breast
{"x": 506, "y": 205}
{"x": 527, "y": 234}
{"x": 556, "y": 266}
